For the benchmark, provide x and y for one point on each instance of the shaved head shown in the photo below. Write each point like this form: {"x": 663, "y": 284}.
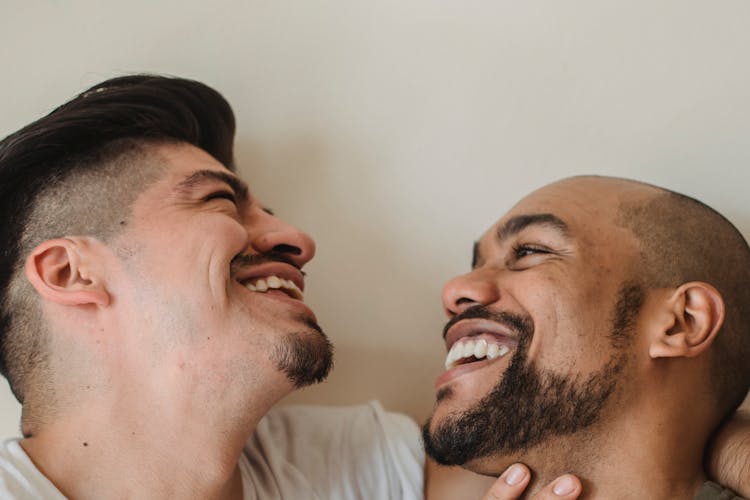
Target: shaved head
{"x": 681, "y": 239}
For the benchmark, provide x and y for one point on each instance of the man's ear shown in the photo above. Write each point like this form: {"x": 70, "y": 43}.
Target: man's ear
{"x": 59, "y": 272}
{"x": 696, "y": 311}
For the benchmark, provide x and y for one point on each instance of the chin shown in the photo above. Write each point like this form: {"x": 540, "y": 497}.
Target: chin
{"x": 306, "y": 358}
{"x": 449, "y": 453}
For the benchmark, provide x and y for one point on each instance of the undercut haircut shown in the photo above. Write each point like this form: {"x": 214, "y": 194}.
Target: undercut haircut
{"x": 77, "y": 172}
{"x": 681, "y": 240}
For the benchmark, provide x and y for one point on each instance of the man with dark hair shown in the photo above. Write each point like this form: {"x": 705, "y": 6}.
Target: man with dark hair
{"x": 602, "y": 331}
{"x": 152, "y": 313}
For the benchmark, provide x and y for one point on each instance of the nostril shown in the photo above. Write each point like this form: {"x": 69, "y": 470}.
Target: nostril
{"x": 462, "y": 304}
{"x": 287, "y": 249}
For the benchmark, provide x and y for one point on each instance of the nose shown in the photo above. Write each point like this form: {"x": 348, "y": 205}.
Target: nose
{"x": 468, "y": 290}
{"x": 271, "y": 234}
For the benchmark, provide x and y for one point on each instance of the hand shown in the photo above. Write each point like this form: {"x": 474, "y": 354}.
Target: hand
{"x": 513, "y": 482}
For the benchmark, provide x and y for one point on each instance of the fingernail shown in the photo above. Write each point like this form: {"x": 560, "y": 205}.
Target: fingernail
{"x": 564, "y": 486}
{"x": 515, "y": 475}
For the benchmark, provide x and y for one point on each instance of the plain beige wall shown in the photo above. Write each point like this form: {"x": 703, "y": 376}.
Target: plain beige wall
{"x": 396, "y": 131}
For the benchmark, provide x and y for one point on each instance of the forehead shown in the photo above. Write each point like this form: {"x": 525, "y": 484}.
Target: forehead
{"x": 584, "y": 210}
{"x": 186, "y": 167}
{"x": 181, "y": 159}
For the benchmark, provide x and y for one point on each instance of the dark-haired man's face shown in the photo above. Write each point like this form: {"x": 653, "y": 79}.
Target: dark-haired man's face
{"x": 540, "y": 330}
{"x": 211, "y": 283}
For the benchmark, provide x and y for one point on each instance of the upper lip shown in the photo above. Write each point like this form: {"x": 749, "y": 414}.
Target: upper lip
{"x": 475, "y": 326}
{"x": 279, "y": 269}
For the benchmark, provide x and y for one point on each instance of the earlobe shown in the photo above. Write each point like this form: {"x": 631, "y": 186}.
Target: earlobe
{"x": 697, "y": 312}
{"x": 56, "y": 270}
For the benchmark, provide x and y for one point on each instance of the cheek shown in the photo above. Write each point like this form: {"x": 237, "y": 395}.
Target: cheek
{"x": 568, "y": 322}
{"x": 189, "y": 252}
{"x": 216, "y": 241}
{"x": 236, "y": 236}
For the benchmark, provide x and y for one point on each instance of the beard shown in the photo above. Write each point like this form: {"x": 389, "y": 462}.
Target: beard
{"x": 529, "y": 406}
{"x": 305, "y": 357}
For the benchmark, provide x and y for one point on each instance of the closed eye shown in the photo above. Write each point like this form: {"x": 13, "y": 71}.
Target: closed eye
{"x": 225, "y": 195}
{"x": 525, "y": 250}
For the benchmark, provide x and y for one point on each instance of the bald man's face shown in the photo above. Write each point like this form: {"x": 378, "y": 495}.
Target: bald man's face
{"x": 540, "y": 328}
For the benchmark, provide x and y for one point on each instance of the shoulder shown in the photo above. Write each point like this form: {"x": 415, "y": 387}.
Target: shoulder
{"x": 19, "y": 478}
{"x": 353, "y": 448}
{"x": 344, "y": 423}
{"x": 364, "y": 432}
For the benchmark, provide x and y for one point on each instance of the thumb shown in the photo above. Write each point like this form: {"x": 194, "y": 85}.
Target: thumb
{"x": 510, "y": 484}
{"x": 565, "y": 487}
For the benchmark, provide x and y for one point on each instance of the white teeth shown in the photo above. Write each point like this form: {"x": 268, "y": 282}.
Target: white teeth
{"x": 274, "y": 283}
{"x": 497, "y": 352}
{"x": 480, "y": 349}
{"x": 466, "y": 348}
{"x": 454, "y": 355}
{"x": 492, "y": 351}
{"x": 296, "y": 292}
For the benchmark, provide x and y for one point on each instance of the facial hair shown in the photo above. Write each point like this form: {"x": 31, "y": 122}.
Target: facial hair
{"x": 306, "y": 357}
{"x": 529, "y": 406}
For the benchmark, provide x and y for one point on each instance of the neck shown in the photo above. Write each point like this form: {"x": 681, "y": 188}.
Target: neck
{"x": 637, "y": 455}
{"x": 625, "y": 466}
{"x": 146, "y": 448}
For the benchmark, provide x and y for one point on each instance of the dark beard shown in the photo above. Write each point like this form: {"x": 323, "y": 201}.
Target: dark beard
{"x": 529, "y": 406}
{"x": 305, "y": 357}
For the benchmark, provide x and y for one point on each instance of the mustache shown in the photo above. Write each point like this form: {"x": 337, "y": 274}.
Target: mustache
{"x": 241, "y": 261}
{"x": 521, "y": 324}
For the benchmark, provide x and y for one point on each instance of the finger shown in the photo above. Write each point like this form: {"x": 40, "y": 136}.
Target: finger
{"x": 510, "y": 484}
{"x": 565, "y": 487}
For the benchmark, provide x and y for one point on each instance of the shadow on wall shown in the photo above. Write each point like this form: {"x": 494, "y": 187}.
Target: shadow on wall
{"x": 382, "y": 314}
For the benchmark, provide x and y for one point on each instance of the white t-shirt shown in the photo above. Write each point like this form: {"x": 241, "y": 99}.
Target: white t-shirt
{"x": 311, "y": 452}
{"x": 19, "y": 477}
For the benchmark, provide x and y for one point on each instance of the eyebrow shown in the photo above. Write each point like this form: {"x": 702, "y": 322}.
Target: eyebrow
{"x": 205, "y": 176}
{"x": 516, "y": 224}
{"x": 475, "y": 255}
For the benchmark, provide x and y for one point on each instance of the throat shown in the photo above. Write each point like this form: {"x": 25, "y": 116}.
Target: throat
{"x": 612, "y": 466}
{"x": 84, "y": 459}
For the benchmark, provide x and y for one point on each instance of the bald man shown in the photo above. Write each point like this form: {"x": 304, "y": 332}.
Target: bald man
{"x": 602, "y": 331}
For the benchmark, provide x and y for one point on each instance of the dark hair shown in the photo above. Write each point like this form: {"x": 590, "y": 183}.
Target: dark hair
{"x": 107, "y": 122}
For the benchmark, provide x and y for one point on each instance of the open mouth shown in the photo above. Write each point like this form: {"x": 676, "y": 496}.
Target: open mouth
{"x": 270, "y": 283}
{"x": 475, "y": 348}
{"x": 279, "y": 281}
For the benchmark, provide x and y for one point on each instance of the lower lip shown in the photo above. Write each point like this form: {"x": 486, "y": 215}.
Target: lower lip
{"x": 283, "y": 297}
{"x": 460, "y": 370}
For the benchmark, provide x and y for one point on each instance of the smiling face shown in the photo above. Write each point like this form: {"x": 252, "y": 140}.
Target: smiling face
{"x": 209, "y": 285}
{"x": 539, "y": 330}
